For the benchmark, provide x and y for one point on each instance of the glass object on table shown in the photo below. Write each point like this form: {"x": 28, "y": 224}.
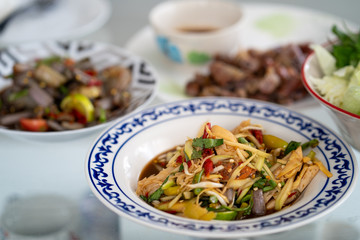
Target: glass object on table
{"x": 97, "y": 221}
{"x": 40, "y": 217}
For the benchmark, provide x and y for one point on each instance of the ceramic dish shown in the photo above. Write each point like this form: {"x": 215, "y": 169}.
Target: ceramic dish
{"x": 348, "y": 123}
{"x": 117, "y": 157}
{"x": 64, "y": 20}
{"x": 102, "y": 55}
{"x": 190, "y": 32}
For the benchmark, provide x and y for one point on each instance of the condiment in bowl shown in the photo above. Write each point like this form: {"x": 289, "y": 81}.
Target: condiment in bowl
{"x": 193, "y": 31}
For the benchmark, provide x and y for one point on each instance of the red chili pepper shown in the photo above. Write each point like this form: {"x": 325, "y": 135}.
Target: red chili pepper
{"x": 171, "y": 211}
{"x": 52, "y": 115}
{"x": 91, "y": 72}
{"x": 208, "y": 167}
{"x": 79, "y": 117}
{"x": 291, "y": 194}
{"x": 207, "y": 152}
{"x": 188, "y": 163}
{"x": 258, "y": 135}
{"x": 94, "y": 82}
{"x": 180, "y": 159}
{"x": 205, "y": 135}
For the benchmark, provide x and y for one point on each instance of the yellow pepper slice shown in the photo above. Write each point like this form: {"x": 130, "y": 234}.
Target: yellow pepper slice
{"x": 172, "y": 191}
{"x": 273, "y": 142}
{"x": 80, "y": 103}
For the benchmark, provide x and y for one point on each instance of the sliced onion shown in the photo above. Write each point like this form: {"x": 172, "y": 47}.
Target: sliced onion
{"x": 205, "y": 185}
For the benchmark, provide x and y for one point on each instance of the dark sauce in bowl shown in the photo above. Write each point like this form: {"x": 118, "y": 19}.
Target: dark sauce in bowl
{"x": 155, "y": 165}
{"x": 197, "y": 29}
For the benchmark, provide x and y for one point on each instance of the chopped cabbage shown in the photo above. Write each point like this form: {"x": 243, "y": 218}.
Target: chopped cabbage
{"x": 344, "y": 72}
{"x": 326, "y": 60}
{"x": 340, "y": 87}
{"x": 331, "y": 88}
{"x": 351, "y": 100}
{"x": 355, "y": 77}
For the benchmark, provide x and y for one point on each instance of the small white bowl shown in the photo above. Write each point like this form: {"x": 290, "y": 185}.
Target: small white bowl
{"x": 192, "y": 31}
{"x": 102, "y": 55}
{"x": 119, "y": 154}
{"x": 348, "y": 123}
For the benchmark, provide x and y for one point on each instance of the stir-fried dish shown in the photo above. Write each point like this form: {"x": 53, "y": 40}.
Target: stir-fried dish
{"x": 56, "y": 94}
{"x": 272, "y": 75}
{"x": 229, "y": 175}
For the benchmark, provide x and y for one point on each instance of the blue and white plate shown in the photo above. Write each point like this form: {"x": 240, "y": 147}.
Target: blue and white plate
{"x": 117, "y": 157}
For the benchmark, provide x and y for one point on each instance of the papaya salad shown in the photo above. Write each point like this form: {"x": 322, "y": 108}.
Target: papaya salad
{"x": 58, "y": 93}
{"x": 230, "y": 175}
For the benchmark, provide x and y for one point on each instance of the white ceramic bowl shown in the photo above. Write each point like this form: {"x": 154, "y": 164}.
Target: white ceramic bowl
{"x": 117, "y": 157}
{"x": 348, "y": 123}
{"x": 192, "y": 31}
{"x": 143, "y": 85}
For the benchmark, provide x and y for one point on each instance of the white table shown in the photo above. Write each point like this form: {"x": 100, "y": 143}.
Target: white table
{"x": 32, "y": 167}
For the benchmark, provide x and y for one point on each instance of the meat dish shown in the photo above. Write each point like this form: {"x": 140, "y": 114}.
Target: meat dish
{"x": 58, "y": 94}
{"x": 273, "y": 75}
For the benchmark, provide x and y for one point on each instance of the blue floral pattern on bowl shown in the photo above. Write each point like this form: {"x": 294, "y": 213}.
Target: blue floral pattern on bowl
{"x": 336, "y": 155}
{"x": 169, "y": 49}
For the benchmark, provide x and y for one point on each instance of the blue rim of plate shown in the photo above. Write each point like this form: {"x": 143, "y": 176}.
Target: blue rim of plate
{"x": 337, "y": 154}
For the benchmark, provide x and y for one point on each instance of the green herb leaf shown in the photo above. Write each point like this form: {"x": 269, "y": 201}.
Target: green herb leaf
{"x": 143, "y": 198}
{"x": 347, "y": 51}
{"x": 196, "y": 154}
{"x": 210, "y": 143}
{"x": 207, "y": 142}
{"x": 50, "y": 60}
{"x": 16, "y": 95}
{"x": 181, "y": 168}
{"x": 157, "y": 194}
{"x": 198, "y": 142}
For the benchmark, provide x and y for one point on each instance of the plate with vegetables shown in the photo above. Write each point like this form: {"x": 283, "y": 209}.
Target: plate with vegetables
{"x": 221, "y": 168}
{"x": 55, "y": 89}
